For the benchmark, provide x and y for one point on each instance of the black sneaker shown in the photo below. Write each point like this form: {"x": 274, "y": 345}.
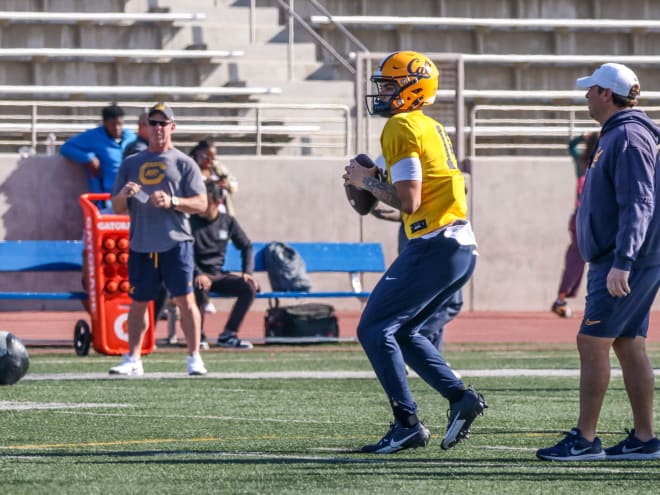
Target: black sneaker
{"x": 461, "y": 414}
{"x": 633, "y": 449}
{"x": 233, "y": 342}
{"x": 573, "y": 447}
{"x": 400, "y": 438}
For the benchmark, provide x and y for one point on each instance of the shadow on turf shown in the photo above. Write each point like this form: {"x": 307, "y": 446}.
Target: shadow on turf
{"x": 450, "y": 467}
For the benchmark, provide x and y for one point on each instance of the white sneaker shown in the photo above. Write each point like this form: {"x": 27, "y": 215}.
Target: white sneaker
{"x": 209, "y": 307}
{"x": 128, "y": 367}
{"x": 195, "y": 365}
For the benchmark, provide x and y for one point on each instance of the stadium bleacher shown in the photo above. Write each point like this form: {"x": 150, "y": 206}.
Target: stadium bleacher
{"x": 503, "y": 50}
{"x": 493, "y": 71}
{"x": 115, "y": 55}
{"x": 127, "y": 63}
{"x": 86, "y": 18}
{"x": 389, "y": 22}
{"x": 133, "y": 92}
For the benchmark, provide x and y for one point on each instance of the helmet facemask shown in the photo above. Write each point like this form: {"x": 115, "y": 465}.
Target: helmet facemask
{"x": 389, "y": 104}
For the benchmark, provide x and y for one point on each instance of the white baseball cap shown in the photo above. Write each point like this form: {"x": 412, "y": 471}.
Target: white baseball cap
{"x": 617, "y": 77}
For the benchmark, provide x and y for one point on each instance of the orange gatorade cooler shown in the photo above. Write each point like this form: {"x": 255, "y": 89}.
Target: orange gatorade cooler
{"x": 106, "y": 257}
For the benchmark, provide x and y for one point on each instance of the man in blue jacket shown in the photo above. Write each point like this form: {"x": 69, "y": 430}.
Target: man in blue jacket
{"x": 101, "y": 149}
{"x": 618, "y": 231}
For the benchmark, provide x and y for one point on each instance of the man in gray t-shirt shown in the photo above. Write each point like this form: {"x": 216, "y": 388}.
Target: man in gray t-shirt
{"x": 153, "y": 228}
{"x": 159, "y": 188}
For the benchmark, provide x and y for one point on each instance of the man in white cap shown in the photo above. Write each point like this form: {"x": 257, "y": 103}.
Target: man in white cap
{"x": 618, "y": 230}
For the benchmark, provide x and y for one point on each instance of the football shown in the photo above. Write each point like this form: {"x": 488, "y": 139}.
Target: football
{"x": 14, "y": 359}
{"x": 362, "y": 201}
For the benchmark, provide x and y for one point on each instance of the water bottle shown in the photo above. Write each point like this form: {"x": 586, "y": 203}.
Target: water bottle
{"x": 50, "y": 144}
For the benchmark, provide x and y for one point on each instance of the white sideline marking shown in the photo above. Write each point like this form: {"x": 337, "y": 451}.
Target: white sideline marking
{"x": 252, "y": 358}
{"x": 7, "y": 405}
{"x": 319, "y": 375}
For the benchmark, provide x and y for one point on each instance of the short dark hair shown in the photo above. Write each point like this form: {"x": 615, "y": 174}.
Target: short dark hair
{"x": 214, "y": 190}
{"x": 622, "y": 101}
{"x": 112, "y": 112}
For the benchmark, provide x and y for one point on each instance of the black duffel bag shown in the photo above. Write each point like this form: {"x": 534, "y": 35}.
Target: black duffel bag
{"x": 301, "y": 322}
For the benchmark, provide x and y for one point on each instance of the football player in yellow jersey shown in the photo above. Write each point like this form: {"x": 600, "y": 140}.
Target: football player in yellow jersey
{"x": 425, "y": 184}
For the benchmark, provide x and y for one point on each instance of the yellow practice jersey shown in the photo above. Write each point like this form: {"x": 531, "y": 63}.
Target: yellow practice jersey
{"x": 415, "y": 135}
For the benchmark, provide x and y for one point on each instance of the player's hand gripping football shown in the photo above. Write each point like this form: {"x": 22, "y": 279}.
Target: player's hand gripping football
{"x": 357, "y": 169}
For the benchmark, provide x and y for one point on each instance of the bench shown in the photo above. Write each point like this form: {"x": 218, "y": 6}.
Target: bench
{"x": 98, "y": 18}
{"x": 41, "y": 256}
{"x": 53, "y": 256}
{"x": 487, "y": 32}
{"x": 352, "y": 258}
{"x": 118, "y": 18}
{"x": 162, "y": 92}
{"x": 116, "y": 55}
{"x": 559, "y": 60}
{"x": 561, "y": 24}
{"x": 529, "y": 95}
{"x": 47, "y": 256}
{"x": 69, "y": 129}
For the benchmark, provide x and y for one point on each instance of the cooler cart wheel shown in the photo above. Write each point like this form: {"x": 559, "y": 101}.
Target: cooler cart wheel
{"x": 82, "y": 337}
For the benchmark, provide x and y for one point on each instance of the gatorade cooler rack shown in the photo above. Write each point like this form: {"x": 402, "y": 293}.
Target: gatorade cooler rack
{"x": 106, "y": 258}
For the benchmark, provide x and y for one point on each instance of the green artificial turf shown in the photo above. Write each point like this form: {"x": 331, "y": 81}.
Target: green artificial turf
{"x": 296, "y": 435}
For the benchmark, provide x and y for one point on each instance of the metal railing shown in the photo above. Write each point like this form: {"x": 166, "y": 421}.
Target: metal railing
{"x": 530, "y": 129}
{"x": 442, "y": 22}
{"x": 120, "y": 18}
{"x": 293, "y": 16}
{"x": 516, "y": 133}
{"x": 238, "y": 128}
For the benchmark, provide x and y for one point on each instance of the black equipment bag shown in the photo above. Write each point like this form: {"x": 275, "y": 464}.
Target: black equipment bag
{"x": 286, "y": 268}
{"x": 308, "y": 322}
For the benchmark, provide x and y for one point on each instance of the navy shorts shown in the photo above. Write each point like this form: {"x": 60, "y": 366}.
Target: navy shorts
{"x": 612, "y": 317}
{"x": 147, "y": 272}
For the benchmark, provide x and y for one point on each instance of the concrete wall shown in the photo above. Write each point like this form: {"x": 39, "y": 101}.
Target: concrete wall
{"x": 519, "y": 206}
{"x": 39, "y": 200}
{"x": 39, "y": 197}
{"x": 520, "y": 211}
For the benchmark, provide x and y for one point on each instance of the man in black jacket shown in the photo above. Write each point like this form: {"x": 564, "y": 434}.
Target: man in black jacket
{"x": 212, "y": 231}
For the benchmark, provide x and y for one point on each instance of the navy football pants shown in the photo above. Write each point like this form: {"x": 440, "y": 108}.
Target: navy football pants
{"x": 421, "y": 279}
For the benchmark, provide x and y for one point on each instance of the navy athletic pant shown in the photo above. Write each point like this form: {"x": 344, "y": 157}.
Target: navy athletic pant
{"x": 424, "y": 276}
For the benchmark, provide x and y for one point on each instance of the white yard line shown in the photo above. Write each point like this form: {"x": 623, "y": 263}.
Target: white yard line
{"x": 320, "y": 375}
{"x": 7, "y": 405}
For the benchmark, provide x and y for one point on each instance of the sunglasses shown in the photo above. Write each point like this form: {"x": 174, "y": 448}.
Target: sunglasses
{"x": 162, "y": 123}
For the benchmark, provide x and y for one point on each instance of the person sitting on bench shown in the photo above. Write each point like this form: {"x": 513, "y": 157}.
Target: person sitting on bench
{"x": 212, "y": 230}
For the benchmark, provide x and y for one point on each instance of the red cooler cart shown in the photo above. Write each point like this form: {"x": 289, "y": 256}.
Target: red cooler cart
{"x": 106, "y": 258}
